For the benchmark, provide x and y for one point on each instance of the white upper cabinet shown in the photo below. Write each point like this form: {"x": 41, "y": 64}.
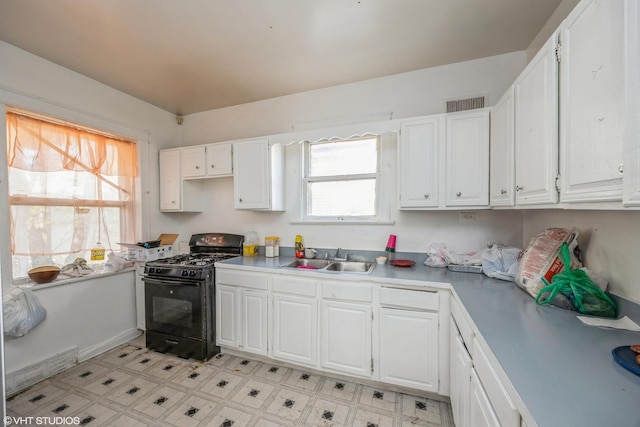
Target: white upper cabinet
{"x": 444, "y": 161}
{"x": 420, "y": 142}
{"x": 536, "y": 128}
{"x": 176, "y": 195}
{"x": 258, "y": 175}
{"x": 501, "y": 156}
{"x": 207, "y": 161}
{"x": 592, "y": 102}
{"x": 467, "y": 159}
{"x": 631, "y": 195}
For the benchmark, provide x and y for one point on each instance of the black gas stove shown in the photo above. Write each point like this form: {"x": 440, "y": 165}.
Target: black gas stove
{"x": 179, "y": 296}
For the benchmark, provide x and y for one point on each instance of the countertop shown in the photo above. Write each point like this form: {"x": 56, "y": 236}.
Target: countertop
{"x": 560, "y": 368}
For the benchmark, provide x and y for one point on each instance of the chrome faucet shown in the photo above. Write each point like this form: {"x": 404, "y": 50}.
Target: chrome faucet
{"x": 339, "y": 257}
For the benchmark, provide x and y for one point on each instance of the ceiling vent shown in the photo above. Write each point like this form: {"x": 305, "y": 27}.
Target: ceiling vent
{"x": 465, "y": 104}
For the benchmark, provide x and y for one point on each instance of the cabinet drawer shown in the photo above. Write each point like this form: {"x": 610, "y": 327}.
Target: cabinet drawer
{"x": 500, "y": 400}
{"x": 463, "y": 326}
{"x": 295, "y": 285}
{"x": 421, "y": 300}
{"x": 349, "y": 291}
{"x": 242, "y": 278}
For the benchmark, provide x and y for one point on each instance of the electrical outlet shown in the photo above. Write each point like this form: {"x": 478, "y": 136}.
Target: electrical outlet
{"x": 467, "y": 216}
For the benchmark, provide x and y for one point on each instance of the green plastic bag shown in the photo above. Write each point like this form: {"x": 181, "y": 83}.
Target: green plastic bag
{"x": 580, "y": 291}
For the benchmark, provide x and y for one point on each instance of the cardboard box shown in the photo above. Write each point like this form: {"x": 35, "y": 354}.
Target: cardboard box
{"x": 138, "y": 253}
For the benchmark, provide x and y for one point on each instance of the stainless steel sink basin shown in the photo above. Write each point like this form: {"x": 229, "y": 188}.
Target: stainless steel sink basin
{"x": 312, "y": 263}
{"x": 323, "y": 265}
{"x": 351, "y": 267}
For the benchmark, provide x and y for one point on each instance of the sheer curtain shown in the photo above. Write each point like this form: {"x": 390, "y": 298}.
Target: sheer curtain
{"x": 69, "y": 189}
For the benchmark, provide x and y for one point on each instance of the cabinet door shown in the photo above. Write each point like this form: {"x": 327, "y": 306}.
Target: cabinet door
{"x": 631, "y": 181}
{"x": 193, "y": 162}
{"x": 219, "y": 159}
{"x": 346, "y": 337}
{"x": 254, "y": 321}
{"x": 252, "y": 177}
{"x": 227, "y": 328}
{"x": 501, "y": 156}
{"x": 536, "y": 128}
{"x": 140, "y": 303}
{"x": 419, "y": 167}
{"x": 467, "y": 159}
{"x": 409, "y": 348}
{"x": 592, "y": 102}
{"x": 295, "y": 326}
{"x": 460, "y": 378}
{"x": 480, "y": 411}
{"x": 170, "y": 181}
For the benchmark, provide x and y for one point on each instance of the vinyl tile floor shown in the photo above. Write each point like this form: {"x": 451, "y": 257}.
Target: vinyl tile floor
{"x": 133, "y": 386}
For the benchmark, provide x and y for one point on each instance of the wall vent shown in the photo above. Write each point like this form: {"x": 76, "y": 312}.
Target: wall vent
{"x": 465, "y": 104}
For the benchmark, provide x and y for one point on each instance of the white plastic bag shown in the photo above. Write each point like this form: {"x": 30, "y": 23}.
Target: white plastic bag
{"x": 22, "y": 313}
{"x": 501, "y": 262}
{"x": 436, "y": 255}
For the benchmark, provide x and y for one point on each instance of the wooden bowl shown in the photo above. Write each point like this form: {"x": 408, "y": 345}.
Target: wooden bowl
{"x": 44, "y": 274}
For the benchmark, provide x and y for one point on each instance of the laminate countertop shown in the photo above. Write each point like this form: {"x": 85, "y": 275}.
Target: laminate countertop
{"x": 561, "y": 369}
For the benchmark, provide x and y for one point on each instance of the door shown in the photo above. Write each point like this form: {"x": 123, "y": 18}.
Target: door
{"x": 254, "y": 321}
{"x": 346, "y": 337}
{"x": 174, "y": 307}
{"x": 219, "y": 159}
{"x": 467, "y": 159}
{"x": 251, "y": 180}
{"x": 592, "y": 102}
{"x": 227, "y": 328}
{"x": 409, "y": 348}
{"x": 460, "y": 378}
{"x": 193, "y": 162}
{"x": 170, "y": 180}
{"x": 480, "y": 411}
{"x": 536, "y": 128}
{"x": 631, "y": 181}
{"x": 419, "y": 148}
{"x": 295, "y": 326}
{"x": 501, "y": 156}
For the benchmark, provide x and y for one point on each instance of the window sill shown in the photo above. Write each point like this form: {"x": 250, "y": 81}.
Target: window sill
{"x": 341, "y": 222}
{"x": 64, "y": 279}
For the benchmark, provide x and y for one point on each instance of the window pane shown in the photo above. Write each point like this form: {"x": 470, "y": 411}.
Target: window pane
{"x": 343, "y": 157}
{"x": 342, "y": 198}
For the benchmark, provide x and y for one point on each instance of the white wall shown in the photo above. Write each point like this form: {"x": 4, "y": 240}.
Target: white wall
{"x": 608, "y": 239}
{"x": 412, "y": 94}
{"x": 554, "y": 21}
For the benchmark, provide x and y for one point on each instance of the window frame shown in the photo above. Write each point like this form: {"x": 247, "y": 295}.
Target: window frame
{"x": 130, "y": 211}
{"x": 378, "y": 217}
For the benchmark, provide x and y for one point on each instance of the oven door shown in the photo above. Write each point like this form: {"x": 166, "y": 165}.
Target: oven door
{"x": 175, "y": 307}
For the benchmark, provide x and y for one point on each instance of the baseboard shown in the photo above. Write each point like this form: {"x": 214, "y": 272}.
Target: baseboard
{"x": 100, "y": 348}
{"x": 44, "y": 368}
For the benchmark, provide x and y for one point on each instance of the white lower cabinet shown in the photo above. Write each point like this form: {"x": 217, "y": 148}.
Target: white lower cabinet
{"x": 481, "y": 413}
{"x": 140, "y": 311}
{"x": 460, "y": 378}
{"x": 242, "y": 311}
{"x": 295, "y": 326}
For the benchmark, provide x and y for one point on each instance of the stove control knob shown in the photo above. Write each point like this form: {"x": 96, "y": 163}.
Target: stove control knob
{"x": 151, "y": 270}
{"x": 185, "y": 273}
{"x": 192, "y": 274}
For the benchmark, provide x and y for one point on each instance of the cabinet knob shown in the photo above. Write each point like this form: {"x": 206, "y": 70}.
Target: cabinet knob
{"x": 240, "y": 200}
{"x": 173, "y": 202}
{"x": 426, "y": 196}
{"x": 503, "y": 192}
{"x": 213, "y": 166}
{"x": 518, "y": 188}
{"x": 197, "y": 167}
{"x": 620, "y": 168}
{"x": 458, "y": 194}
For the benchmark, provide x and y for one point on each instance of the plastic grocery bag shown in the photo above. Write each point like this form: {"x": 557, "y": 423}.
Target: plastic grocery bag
{"x": 22, "y": 313}
{"x": 578, "y": 289}
{"x": 501, "y": 262}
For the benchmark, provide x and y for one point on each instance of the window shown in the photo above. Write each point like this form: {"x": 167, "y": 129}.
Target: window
{"x": 69, "y": 188}
{"x": 341, "y": 180}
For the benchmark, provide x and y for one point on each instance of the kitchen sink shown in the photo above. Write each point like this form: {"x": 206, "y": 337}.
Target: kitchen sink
{"x": 351, "y": 267}
{"x": 310, "y": 263}
{"x": 323, "y": 265}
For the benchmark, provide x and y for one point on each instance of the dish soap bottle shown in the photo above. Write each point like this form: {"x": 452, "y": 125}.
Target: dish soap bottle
{"x": 299, "y": 247}
{"x": 97, "y": 257}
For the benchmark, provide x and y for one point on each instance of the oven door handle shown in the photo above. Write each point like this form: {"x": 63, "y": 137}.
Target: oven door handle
{"x": 167, "y": 281}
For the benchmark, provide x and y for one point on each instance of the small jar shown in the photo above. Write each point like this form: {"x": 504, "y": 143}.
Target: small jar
{"x": 272, "y": 246}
